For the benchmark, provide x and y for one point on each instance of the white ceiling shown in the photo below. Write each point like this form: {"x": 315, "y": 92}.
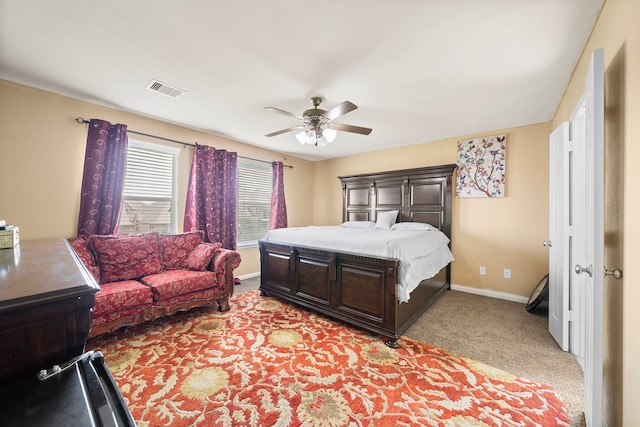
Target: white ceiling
{"x": 419, "y": 70}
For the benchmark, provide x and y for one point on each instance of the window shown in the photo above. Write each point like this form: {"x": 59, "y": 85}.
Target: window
{"x": 149, "y": 200}
{"x": 254, "y": 201}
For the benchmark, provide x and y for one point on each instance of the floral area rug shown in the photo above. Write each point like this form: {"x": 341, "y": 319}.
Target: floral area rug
{"x": 268, "y": 363}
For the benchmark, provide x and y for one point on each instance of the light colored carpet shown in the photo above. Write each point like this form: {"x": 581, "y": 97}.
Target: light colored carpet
{"x": 498, "y": 333}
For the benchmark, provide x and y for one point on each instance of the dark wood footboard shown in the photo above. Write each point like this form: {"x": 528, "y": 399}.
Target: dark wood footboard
{"x": 355, "y": 289}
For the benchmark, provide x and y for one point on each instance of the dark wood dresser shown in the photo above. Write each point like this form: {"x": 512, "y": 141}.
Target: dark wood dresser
{"x": 46, "y": 297}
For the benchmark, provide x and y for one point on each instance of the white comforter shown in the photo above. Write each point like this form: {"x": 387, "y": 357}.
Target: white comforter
{"x": 421, "y": 253}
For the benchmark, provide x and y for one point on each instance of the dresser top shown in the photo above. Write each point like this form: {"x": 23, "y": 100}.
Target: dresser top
{"x": 41, "y": 271}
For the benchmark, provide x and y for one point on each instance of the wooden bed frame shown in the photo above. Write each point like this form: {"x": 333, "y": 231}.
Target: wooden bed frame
{"x": 360, "y": 289}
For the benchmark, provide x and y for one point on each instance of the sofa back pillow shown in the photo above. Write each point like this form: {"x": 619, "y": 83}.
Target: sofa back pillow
{"x": 126, "y": 257}
{"x": 79, "y": 245}
{"x": 201, "y": 256}
{"x": 176, "y": 248}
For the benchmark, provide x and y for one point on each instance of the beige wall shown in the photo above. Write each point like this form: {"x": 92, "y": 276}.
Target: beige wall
{"x": 618, "y": 32}
{"x": 495, "y": 233}
{"x": 42, "y": 152}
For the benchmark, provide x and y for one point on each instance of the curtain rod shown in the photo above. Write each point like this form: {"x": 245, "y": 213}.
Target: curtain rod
{"x": 82, "y": 121}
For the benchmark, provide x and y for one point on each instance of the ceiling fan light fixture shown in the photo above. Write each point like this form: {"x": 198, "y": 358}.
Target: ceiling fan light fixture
{"x": 304, "y": 137}
{"x": 329, "y": 134}
{"x": 316, "y": 137}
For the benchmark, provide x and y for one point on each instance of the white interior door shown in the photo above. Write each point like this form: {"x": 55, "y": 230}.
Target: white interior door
{"x": 579, "y": 200}
{"x": 558, "y": 243}
{"x": 577, "y": 176}
{"x": 587, "y": 236}
{"x": 594, "y": 249}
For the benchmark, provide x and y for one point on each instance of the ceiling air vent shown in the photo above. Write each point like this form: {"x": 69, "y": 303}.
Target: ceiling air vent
{"x": 164, "y": 88}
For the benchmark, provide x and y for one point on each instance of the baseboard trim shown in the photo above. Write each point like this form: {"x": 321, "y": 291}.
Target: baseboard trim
{"x": 248, "y": 276}
{"x": 490, "y": 293}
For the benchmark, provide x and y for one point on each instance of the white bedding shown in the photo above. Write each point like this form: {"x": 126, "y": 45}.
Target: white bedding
{"x": 421, "y": 253}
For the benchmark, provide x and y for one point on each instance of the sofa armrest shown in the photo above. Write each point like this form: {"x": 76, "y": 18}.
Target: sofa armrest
{"x": 223, "y": 263}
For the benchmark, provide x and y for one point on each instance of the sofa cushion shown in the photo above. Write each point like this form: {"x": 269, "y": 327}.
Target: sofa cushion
{"x": 125, "y": 257}
{"x": 201, "y": 256}
{"x": 79, "y": 245}
{"x": 120, "y": 295}
{"x": 175, "y": 248}
{"x": 176, "y": 282}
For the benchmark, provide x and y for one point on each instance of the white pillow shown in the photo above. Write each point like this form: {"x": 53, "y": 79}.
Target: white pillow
{"x": 358, "y": 224}
{"x": 412, "y": 226}
{"x": 386, "y": 219}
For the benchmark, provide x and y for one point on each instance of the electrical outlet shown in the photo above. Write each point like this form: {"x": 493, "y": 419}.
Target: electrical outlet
{"x": 507, "y": 273}
{"x": 483, "y": 271}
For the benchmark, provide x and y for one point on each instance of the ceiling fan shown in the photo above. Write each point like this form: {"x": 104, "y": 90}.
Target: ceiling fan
{"x": 318, "y": 127}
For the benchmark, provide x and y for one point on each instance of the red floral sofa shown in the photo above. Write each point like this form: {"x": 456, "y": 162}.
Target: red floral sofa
{"x": 146, "y": 276}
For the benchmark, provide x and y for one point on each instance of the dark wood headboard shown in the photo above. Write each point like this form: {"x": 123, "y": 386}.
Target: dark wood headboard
{"x": 420, "y": 195}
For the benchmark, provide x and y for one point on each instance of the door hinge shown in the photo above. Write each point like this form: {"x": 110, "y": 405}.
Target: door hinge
{"x": 570, "y": 316}
{"x": 571, "y": 231}
{"x": 571, "y": 146}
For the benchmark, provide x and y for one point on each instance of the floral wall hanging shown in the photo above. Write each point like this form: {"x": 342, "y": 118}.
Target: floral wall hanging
{"x": 481, "y": 167}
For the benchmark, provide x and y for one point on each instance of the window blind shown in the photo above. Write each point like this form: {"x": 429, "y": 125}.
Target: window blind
{"x": 149, "y": 199}
{"x": 254, "y": 201}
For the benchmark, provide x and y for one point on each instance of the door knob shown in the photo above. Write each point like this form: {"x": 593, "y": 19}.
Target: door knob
{"x": 547, "y": 243}
{"x": 580, "y": 269}
{"x": 614, "y": 272}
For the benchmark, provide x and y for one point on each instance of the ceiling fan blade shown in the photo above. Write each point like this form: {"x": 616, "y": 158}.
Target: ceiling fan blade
{"x": 350, "y": 128}
{"x": 286, "y": 130}
{"x": 286, "y": 113}
{"x": 340, "y": 109}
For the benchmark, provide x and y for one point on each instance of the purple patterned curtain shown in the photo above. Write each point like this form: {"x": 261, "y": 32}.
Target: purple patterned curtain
{"x": 278, "y": 205}
{"x": 105, "y": 164}
{"x": 212, "y": 196}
